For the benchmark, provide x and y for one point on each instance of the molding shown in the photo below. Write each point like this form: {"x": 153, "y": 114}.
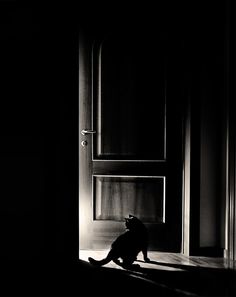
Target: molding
{"x": 230, "y": 228}
{"x": 190, "y": 228}
{"x": 225, "y": 253}
{"x": 186, "y": 183}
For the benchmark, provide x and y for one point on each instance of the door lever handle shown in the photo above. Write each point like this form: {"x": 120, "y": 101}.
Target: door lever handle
{"x": 86, "y": 131}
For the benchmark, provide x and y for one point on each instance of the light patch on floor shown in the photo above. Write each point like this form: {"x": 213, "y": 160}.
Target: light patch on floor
{"x": 161, "y": 260}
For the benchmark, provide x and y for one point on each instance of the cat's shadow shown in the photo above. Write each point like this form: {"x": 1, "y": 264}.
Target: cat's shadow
{"x": 185, "y": 267}
{"x": 149, "y": 262}
{"x": 186, "y": 277}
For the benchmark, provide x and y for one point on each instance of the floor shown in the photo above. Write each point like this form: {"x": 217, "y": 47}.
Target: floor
{"x": 162, "y": 258}
{"x": 194, "y": 276}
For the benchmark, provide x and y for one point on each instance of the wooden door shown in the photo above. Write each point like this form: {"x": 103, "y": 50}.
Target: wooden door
{"x": 130, "y": 137}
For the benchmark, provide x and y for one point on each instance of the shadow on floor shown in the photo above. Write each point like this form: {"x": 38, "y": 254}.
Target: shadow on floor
{"x": 79, "y": 278}
{"x": 202, "y": 281}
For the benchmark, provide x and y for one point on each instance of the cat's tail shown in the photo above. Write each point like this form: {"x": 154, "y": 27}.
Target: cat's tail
{"x": 99, "y": 262}
{"x": 110, "y": 256}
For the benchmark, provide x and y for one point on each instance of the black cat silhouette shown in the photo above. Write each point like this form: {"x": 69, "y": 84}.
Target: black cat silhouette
{"x": 127, "y": 246}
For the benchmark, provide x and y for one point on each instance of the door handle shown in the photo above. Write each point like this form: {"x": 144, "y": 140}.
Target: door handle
{"x": 86, "y": 131}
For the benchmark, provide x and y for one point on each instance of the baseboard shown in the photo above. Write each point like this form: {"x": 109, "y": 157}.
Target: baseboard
{"x": 226, "y": 253}
{"x": 211, "y": 252}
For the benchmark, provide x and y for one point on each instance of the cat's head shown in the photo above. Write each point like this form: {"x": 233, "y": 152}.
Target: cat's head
{"x": 132, "y": 223}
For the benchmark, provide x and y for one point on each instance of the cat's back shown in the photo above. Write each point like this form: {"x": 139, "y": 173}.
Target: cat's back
{"x": 122, "y": 240}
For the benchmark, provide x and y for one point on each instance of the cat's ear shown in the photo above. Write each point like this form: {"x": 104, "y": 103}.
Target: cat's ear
{"x": 130, "y": 216}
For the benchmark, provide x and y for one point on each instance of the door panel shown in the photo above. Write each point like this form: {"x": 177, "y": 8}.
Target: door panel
{"x": 129, "y": 98}
{"x": 131, "y": 165}
{"x": 115, "y": 197}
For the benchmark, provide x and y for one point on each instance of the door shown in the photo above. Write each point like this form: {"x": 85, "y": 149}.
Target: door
{"x": 130, "y": 137}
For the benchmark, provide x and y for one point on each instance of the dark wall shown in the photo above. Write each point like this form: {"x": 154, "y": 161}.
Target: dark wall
{"x": 212, "y": 133}
{"x": 38, "y": 153}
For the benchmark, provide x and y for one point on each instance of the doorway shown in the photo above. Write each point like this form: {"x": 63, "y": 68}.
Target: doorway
{"x": 130, "y": 136}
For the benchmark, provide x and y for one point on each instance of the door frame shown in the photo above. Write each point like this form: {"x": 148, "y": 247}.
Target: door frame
{"x": 85, "y": 92}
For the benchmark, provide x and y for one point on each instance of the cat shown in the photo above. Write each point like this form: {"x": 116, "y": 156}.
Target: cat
{"x": 127, "y": 246}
